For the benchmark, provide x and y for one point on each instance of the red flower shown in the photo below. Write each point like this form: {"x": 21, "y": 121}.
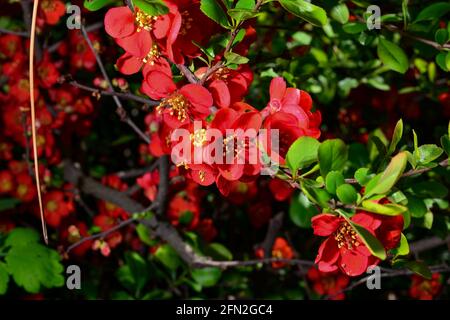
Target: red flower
{"x": 57, "y": 206}
{"x": 343, "y": 248}
{"x": 280, "y": 189}
{"x": 296, "y": 102}
{"x": 178, "y": 107}
{"x": 10, "y": 45}
{"x": 281, "y": 250}
{"x": 149, "y": 182}
{"x": 108, "y": 208}
{"x": 25, "y": 188}
{"x": 47, "y": 72}
{"x": 184, "y": 210}
{"x": 74, "y": 233}
{"x": 6, "y": 182}
{"x": 423, "y": 289}
{"x": 52, "y": 11}
{"x": 106, "y": 222}
{"x": 328, "y": 283}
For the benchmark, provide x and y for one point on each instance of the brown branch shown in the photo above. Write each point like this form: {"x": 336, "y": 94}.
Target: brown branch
{"x": 427, "y": 244}
{"x": 272, "y": 230}
{"x": 431, "y": 43}
{"x": 134, "y": 173}
{"x": 120, "y": 109}
{"x": 15, "y": 33}
{"x": 100, "y": 235}
{"x": 412, "y": 172}
{"x": 122, "y": 95}
{"x": 191, "y": 77}
{"x": 389, "y": 274}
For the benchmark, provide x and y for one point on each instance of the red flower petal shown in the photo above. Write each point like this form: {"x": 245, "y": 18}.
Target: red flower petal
{"x": 277, "y": 88}
{"x": 158, "y": 85}
{"x": 198, "y": 96}
{"x": 129, "y": 64}
{"x": 138, "y": 44}
{"x": 248, "y": 120}
{"x": 325, "y": 224}
{"x": 328, "y": 255}
{"x": 119, "y": 22}
{"x": 220, "y": 93}
{"x": 352, "y": 262}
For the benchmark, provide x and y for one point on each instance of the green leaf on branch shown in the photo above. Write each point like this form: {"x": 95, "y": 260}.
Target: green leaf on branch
{"x": 387, "y": 209}
{"x": 419, "y": 268}
{"x": 403, "y": 247}
{"x": 152, "y": 7}
{"x": 307, "y": 11}
{"x": 445, "y": 143}
{"x": 392, "y": 55}
{"x": 416, "y": 207}
{"x": 168, "y": 257}
{"x": 206, "y": 277}
{"x": 94, "y": 5}
{"x": 373, "y": 244}
{"x": 332, "y": 155}
{"x": 354, "y": 27}
{"x": 362, "y": 176}
{"x": 218, "y": 251}
{"x": 428, "y": 152}
{"x": 242, "y": 14}
{"x": 301, "y": 210}
{"x": 432, "y": 12}
{"x": 347, "y": 194}
{"x": 214, "y": 11}
{"x": 441, "y": 36}
{"x": 302, "y": 153}
{"x": 398, "y": 132}
{"x": 340, "y": 13}
{"x": 381, "y": 184}
{"x": 333, "y": 180}
{"x": 443, "y": 60}
{"x": 234, "y": 58}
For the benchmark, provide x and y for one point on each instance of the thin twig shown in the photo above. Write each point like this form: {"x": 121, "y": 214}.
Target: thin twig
{"x": 100, "y": 235}
{"x": 15, "y": 33}
{"x": 120, "y": 109}
{"x": 192, "y": 78}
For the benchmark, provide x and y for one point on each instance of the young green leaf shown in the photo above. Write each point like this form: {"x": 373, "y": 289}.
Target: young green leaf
{"x": 362, "y": 176}
{"x": 387, "y": 209}
{"x": 389, "y": 177}
{"x": 307, "y": 11}
{"x": 372, "y": 243}
{"x": 206, "y": 277}
{"x": 340, "y": 13}
{"x": 302, "y": 153}
{"x": 347, "y": 194}
{"x": 428, "y": 153}
{"x": 168, "y": 257}
{"x": 403, "y": 247}
{"x": 214, "y": 11}
{"x": 234, "y": 58}
{"x": 333, "y": 180}
{"x": 332, "y": 155}
{"x": 419, "y": 268}
{"x": 152, "y": 7}
{"x": 392, "y": 55}
{"x": 218, "y": 251}
{"x": 398, "y": 132}
{"x": 301, "y": 210}
{"x": 94, "y": 5}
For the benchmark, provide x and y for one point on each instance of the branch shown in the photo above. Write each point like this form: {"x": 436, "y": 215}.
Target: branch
{"x": 134, "y": 173}
{"x": 191, "y": 77}
{"x": 412, "y": 172}
{"x": 388, "y": 274}
{"x": 15, "y": 33}
{"x": 120, "y": 109}
{"x": 433, "y": 44}
{"x": 122, "y": 95}
{"x": 100, "y": 235}
{"x": 427, "y": 244}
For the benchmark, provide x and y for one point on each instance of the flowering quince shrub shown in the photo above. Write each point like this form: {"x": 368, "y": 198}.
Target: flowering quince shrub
{"x": 225, "y": 149}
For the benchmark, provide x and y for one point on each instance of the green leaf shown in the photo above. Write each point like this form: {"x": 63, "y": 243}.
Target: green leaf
{"x": 340, "y": 13}
{"x": 333, "y": 180}
{"x": 218, "y": 251}
{"x": 428, "y": 153}
{"x": 22, "y": 237}
{"x": 301, "y": 210}
{"x": 333, "y": 155}
{"x": 372, "y": 243}
{"x": 94, "y": 5}
{"x": 234, "y": 58}
{"x": 441, "y": 36}
{"x": 302, "y": 153}
{"x": 354, "y": 27}
{"x": 214, "y": 11}
{"x": 428, "y": 220}
{"x": 206, "y": 277}
{"x": 445, "y": 142}
{"x": 138, "y": 268}
{"x": 419, "y": 268}
{"x": 347, "y": 194}
{"x": 4, "y": 278}
{"x": 443, "y": 61}
{"x": 242, "y": 14}
{"x": 307, "y": 11}
{"x": 403, "y": 247}
{"x": 362, "y": 176}
{"x": 392, "y": 55}
{"x": 389, "y": 177}
{"x": 429, "y": 189}
{"x": 447, "y": 60}
{"x": 8, "y": 203}
{"x": 398, "y": 132}
{"x": 416, "y": 207}
{"x": 144, "y": 234}
{"x": 434, "y": 11}
{"x": 168, "y": 257}
{"x": 152, "y": 7}
{"x": 33, "y": 265}
{"x": 388, "y": 209}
